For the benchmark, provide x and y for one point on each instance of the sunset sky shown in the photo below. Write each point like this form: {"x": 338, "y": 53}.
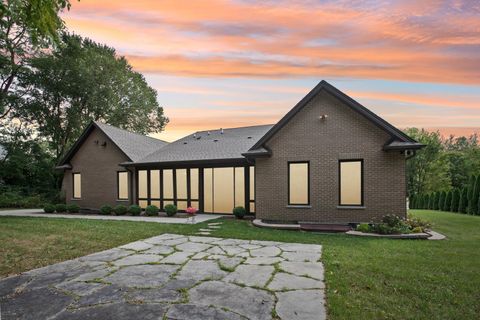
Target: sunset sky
{"x": 221, "y": 63}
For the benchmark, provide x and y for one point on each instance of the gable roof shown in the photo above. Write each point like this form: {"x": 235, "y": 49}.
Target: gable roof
{"x": 226, "y": 144}
{"x": 133, "y": 145}
{"x": 396, "y": 134}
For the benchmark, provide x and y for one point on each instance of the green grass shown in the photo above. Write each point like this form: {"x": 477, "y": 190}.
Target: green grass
{"x": 366, "y": 278}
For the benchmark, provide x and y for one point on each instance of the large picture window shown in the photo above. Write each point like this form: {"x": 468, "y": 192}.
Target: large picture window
{"x": 351, "y": 182}
{"x": 77, "y": 185}
{"x": 299, "y": 183}
{"x": 122, "y": 180}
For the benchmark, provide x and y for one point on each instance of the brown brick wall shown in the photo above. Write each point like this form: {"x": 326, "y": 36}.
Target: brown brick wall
{"x": 98, "y": 166}
{"x": 345, "y": 134}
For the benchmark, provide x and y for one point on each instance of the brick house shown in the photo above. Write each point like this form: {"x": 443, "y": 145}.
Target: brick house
{"x": 328, "y": 160}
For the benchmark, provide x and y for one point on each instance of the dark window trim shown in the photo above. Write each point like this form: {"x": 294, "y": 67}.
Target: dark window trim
{"x": 73, "y": 185}
{"x": 118, "y": 185}
{"x": 308, "y": 187}
{"x": 340, "y": 204}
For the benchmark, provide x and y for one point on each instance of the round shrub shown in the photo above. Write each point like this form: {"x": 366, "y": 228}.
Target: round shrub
{"x": 134, "y": 210}
{"x": 106, "y": 209}
{"x": 73, "y": 208}
{"x": 239, "y": 212}
{"x": 171, "y": 210}
{"x": 151, "y": 210}
{"x": 363, "y": 227}
{"x": 60, "y": 207}
{"x": 417, "y": 230}
{"x": 49, "y": 208}
{"x": 120, "y": 210}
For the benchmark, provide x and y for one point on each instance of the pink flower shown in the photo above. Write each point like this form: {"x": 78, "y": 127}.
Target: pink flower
{"x": 191, "y": 210}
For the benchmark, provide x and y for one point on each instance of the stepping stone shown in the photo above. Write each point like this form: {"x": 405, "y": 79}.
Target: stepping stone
{"x": 137, "y": 246}
{"x": 215, "y": 223}
{"x": 265, "y": 252}
{"x": 298, "y": 247}
{"x": 191, "y": 311}
{"x": 79, "y": 288}
{"x": 115, "y": 311}
{"x": 161, "y": 238}
{"x": 215, "y": 250}
{"x": 106, "y": 256}
{"x": 245, "y": 254}
{"x": 205, "y": 230}
{"x": 249, "y": 246}
{"x": 200, "y": 256}
{"x": 203, "y": 239}
{"x": 301, "y": 304}
{"x": 154, "y": 295}
{"x": 285, "y": 281}
{"x": 193, "y": 247}
{"x": 199, "y": 270}
{"x": 226, "y": 261}
{"x": 41, "y": 303}
{"x": 94, "y": 275}
{"x": 301, "y": 256}
{"x": 11, "y": 284}
{"x": 137, "y": 259}
{"x": 175, "y": 242}
{"x": 230, "y": 242}
{"x": 214, "y": 227}
{"x": 263, "y": 260}
{"x": 177, "y": 258}
{"x": 232, "y": 250}
{"x": 251, "y": 275}
{"x": 107, "y": 294}
{"x": 159, "y": 250}
{"x": 251, "y": 303}
{"x": 310, "y": 269}
{"x": 265, "y": 243}
{"x": 142, "y": 276}
{"x": 203, "y": 233}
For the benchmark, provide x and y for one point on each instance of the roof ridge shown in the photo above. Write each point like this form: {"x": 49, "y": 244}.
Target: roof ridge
{"x": 232, "y": 128}
{"x": 128, "y": 131}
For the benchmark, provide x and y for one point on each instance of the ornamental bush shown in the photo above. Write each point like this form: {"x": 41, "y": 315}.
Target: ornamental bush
{"x": 363, "y": 227}
{"x": 448, "y": 201}
{"x": 455, "y": 200}
{"x": 475, "y": 196}
{"x": 134, "y": 210}
{"x": 120, "y": 210}
{"x": 239, "y": 212}
{"x": 171, "y": 210}
{"x": 151, "y": 210}
{"x": 436, "y": 200}
{"x": 60, "y": 208}
{"x": 106, "y": 209}
{"x": 49, "y": 208}
{"x": 73, "y": 208}
{"x": 462, "y": 203}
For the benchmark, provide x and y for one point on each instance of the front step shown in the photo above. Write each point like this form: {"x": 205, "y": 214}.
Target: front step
{"x": 325, "y": 227}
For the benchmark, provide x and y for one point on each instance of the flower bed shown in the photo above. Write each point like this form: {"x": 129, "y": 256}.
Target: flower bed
{"x": 394, "y": 225}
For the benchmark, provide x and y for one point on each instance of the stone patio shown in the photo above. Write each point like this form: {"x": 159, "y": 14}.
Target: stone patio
{"x": 175, "y": 277}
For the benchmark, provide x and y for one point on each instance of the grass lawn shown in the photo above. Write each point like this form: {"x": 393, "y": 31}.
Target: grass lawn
{"x": 365, "y": 278}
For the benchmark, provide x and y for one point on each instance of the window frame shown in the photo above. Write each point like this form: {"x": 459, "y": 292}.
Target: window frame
{"x": 308, "y": 183}
{"x": 73, "y": 185}
{"x": 340, "y": 204}
{"x": 118, "y": 186}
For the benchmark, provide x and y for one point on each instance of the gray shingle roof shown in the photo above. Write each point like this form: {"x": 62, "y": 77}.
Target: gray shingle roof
{"x": 209, "y": 145}
{"x": 134, "y": 145}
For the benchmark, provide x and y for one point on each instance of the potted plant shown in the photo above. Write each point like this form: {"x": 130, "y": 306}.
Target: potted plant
{"x": 192, "y": 211}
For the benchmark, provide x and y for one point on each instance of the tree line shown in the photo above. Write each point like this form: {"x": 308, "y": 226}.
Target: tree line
{"x": 461, "y": 200}
{"x": 52, "y": 84}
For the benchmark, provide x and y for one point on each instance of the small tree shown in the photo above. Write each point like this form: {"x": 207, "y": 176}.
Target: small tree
{"x": 411, "y": 203}
{"x": 475, "y": 196}
{"x": 462, "y": 204}
{"x": 455, "y": 200}
{"x": 441, "y": 200}
{"x": 431, "y": 198}
{"x": 448, "y": 201}
{"x": 470, "y": 187}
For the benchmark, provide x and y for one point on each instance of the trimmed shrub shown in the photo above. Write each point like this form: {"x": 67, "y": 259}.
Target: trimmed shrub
{"x": 120, "y": 210}
{"x": 448, "y": 201}
{"x": 239, "y": 212}
{"x": 430, "y": 201}
{"x": 49, "y": 208}
{"x": 171, "y": 210}
{"x": 363, "y": 227}
{"x": 462, "y": 203}
{"x": 470, "y": 187}
{"x": 106, "y": 209}
{"x": 417, "y": 230}
{"x": 73, "y": 208}
{"x": 441, "y": 200}
{"x": 411, "y": 202}
{"x": 60, "y": 207}
{"x": 414, "y": 222}
{"x": 475, "y": 196}
{"x": 455, "y": 200}
{"x": 436, "y": 200}
{"x": 152, "y": 210}
{"x": 478, "y": 206}
{"x": 134, "y": 210}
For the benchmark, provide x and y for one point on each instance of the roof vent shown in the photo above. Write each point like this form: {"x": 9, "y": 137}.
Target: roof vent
{"x": 194, "y": 135}
{"x": 198, "y": 138}
{"x": 221, "y": 130}
{"x": 208, "y": 132}
{"x": 184, "y": 142}
{"x": 249, "y": 137}
{"x": 215, "y": 140}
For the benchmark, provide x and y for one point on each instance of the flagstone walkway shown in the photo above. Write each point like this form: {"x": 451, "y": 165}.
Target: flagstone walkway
{"x": 175, "y": 277}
